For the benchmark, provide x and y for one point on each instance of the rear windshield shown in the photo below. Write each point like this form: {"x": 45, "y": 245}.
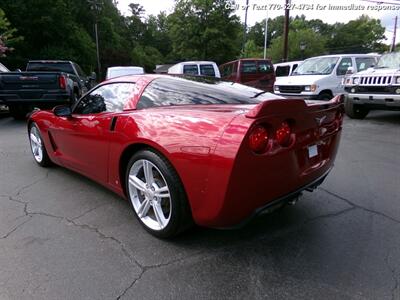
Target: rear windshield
{"x": 50, "y": 67}
{"x": 207, "y": 70}
{"x": 190, "y": 90}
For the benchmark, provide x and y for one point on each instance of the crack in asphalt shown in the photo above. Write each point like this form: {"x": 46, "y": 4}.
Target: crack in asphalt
{"x": 15, "y": 229}
{"x": 144, "y": 269}
{"x": 394, "y": 276}
{"x": 378, "y": 213}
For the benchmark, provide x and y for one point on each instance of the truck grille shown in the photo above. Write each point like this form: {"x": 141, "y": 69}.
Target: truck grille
{"x": 291, "y": 89}
{"x": 375, "y": 80}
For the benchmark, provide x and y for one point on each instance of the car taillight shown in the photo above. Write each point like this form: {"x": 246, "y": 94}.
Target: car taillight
{"x": 283, "y": 135}
{"x": 258, "y": 139}
{"x": 62, "y": 81}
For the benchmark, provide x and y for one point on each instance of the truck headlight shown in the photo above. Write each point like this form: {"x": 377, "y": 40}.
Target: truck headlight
{"x": 276, "y": 88}
{"x": 398, "y": 80}
{"x": 310, "y": 88}
{"x": 356, "y": 80}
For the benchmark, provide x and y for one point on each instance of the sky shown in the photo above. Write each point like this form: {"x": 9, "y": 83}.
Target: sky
{"x": 328, "y": 11}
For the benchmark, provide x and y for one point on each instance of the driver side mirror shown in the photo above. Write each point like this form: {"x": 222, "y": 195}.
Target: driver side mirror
{"x": 350, "y": 70}
{"x": 62, "y": 111}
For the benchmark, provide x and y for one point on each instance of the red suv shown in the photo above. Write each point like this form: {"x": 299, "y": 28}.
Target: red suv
{"x": 255, "y": 72}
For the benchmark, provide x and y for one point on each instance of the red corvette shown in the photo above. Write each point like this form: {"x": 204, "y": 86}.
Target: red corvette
{"x": 191, "y": 149}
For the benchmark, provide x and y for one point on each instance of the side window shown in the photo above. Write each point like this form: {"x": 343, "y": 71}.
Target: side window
{"x": 265, "y": 67}
{"x": 110, "y": 97}
{"x": 344, "y": 64}
{"x": 282, "y": 71}
{"x": 226, "y": 70}
{"x": 190, "y": 69}
{"x": 364, "y": 63}
{"x": 249, "y": 66}
{"x": 207, "y": 70}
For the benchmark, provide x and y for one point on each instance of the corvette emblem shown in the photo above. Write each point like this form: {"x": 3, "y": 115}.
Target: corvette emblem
{"x": 320, "y": 120}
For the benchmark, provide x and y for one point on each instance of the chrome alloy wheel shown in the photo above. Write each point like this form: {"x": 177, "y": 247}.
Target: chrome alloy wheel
{"x": 36, "y": 144}
{"x": 149, "y": 194}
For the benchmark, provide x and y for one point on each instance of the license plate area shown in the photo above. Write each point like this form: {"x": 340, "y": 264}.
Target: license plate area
{"x": 312, "y": 151}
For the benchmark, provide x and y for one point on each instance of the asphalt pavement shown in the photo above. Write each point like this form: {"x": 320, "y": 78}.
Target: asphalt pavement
{"x": 63, "y": 236}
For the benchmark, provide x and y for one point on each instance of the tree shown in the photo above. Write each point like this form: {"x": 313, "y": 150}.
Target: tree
{"x": 361, "y": 35}
{"x": 204, "y": 29}
{"x": 7, "y": 33}
{"x": 314, "y": 45}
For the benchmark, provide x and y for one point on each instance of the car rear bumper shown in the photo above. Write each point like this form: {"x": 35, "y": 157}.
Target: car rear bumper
{"x": 284, "y": 200}
{"x": 44, "y": 98}
{"x": 375, "y": 100}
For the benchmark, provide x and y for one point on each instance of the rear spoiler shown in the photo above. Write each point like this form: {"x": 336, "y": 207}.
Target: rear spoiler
{"x": 296, "y": 105}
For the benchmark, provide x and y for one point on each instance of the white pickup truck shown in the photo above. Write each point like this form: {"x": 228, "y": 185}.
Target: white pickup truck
{"x": 374, "y": 88}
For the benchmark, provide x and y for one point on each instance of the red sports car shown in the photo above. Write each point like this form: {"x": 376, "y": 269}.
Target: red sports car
{"x": 191, "y": 149}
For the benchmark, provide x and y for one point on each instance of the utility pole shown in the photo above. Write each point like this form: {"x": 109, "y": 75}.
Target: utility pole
{"x": 95, "y": 5}
{"x": 286, "y": 31}
{"x": 266, "y": 36}
{"x": 393, "y": 46}
{"x": 245, "y": 28}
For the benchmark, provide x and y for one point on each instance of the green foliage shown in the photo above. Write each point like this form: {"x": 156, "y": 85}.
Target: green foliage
{"x": 204, "y": 29}
{"x": 195, "y": 30}
{"x": 314, "y": 45}
{"x": 361, "y": 35}
{"x": 252, "y": 51}
{"x": 7, "y": 38}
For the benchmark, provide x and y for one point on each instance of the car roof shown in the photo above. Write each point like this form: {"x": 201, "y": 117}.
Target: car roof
{"x": 345, "y": 55}
{"x": 50, "y": 61}
{"x": 124, "y": 67}
{"x": 288, "y": 63}
{"x": 195, "y": 62}
{"x": 247, "y": 59}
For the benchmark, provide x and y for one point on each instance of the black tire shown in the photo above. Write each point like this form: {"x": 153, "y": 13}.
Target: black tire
{"x": 45, "y": 160}
{"x": 355, "y": 111}
{"x": 180, "y": 217}
{"x": 17, "y": 113}
{"x": 325, "y": 96}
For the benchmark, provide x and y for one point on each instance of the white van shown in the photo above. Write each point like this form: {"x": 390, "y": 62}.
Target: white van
{"x": 286, "y": 68}
{"x": 205, "y": 68}
{"x": 113, "y": 72}
{"x": 321, "y": 77}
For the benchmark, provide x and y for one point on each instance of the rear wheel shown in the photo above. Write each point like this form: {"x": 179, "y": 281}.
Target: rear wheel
{"x": 355, "y": 111}
{"x": 37, "y": 146}
{"x": 157, "y": 195}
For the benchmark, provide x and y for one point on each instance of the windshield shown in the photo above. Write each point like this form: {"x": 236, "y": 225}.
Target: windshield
{"x": 390, "y": 60}
{"x": 317, "y": 66}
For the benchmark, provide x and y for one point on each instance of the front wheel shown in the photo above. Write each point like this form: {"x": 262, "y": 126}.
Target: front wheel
{"x": 157, "y": 195}
{"x": 355, "y": 111}
{"x": 37, "y": 146}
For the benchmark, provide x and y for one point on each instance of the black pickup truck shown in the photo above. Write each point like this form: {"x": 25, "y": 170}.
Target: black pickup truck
{"x": 45, "y": 84}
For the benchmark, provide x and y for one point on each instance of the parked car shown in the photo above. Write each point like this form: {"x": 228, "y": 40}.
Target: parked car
{"x": 286, "y": 68}
{"x": 374, "y": 88}
{"x": 113, "y": 72}
{"x": 255, "y": 72}
{"x": 44, "y": 85}
{"x": 204, "y": 68}
{"x": 321, "y": 77}
{"x": 191, "y": 149}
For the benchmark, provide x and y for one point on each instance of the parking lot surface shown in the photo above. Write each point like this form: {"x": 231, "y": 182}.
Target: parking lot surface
{"x": 63, "y": 236}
